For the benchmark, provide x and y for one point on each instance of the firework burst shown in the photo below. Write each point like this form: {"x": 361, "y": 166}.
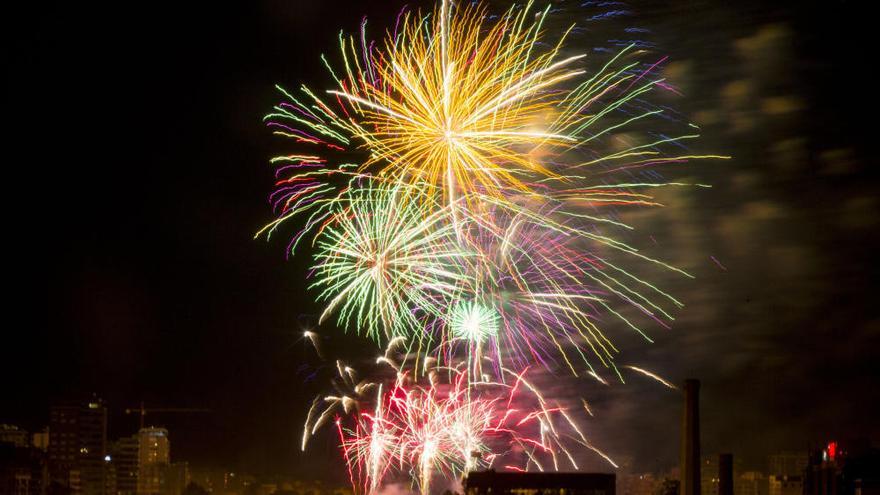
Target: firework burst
{"x": 465, "y": 108}
{"x": 473, "y": 322}
{"x": 446, "y": 425}
{"x": 384, "y": 267}
{"x": 459, "y": 189}
{"x": 537, "y": 293}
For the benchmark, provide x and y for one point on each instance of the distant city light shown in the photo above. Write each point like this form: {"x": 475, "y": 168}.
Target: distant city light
{"x": 832, "y": 450}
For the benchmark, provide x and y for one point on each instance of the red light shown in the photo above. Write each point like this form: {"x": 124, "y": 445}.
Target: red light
{"x": 832, "y": 450}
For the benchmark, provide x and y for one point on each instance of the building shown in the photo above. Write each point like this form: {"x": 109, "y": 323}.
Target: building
{"x": 668, "y": 486}
{"x": 40, "y": 440}
{"x": 15, "y": 473}
{"x": 154, "y": 456}
{"x": 710, "y": 475}
{"x": 751, "y": 483}
{"x": 823, "y": 473}
{"x": 156, "y": 474}
{"x": 78, "y": 447}
{"x": 13, "y": 435}
{"x": 94, "y": 469}
{"x": 63, "y": 443}
{"x": 785, "y": 485}
{"x": 124, "y": 455}
{"x": 496, "y": 483}
{"x": 786, "y": 473}
{"x": 862, "y": 472}
{"x": 787, "y": 463}
{"x": 23, "y": 469}
{"x": 177, "y": 477}
{"x": 109, "y": 477}
{"x": 637, "y": 484}
{"x": 212, "y": 480}
{"x": 219, "y": 481}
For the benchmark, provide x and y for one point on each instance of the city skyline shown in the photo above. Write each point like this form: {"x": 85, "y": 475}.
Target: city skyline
{"x": 79, "y": 454}
{"x": 136, "y": 270}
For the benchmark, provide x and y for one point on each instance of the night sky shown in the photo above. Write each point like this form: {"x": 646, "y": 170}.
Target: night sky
{"x": 137, "y": 172}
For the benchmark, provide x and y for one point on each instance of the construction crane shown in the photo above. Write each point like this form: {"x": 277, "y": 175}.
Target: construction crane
{"x": 144, "y": 410}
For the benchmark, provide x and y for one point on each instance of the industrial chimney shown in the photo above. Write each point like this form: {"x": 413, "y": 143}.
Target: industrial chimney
{"x": 725, "y": 474}
{"x": 690, "y": 439}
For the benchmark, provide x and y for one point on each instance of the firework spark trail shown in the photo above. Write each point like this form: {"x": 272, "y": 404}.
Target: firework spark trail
{"x": 463, "y": 108}
{"x": 459, "y": 190}
{"x": 314, "y": 340}
{"x": 652, "y": 375}
{"x": 461, "y": 118}
{"x": 382, "y": 266}
{"x": 388, "y": 271}
{"x": 452, "y": 426}
{"x": 547, "y": 292}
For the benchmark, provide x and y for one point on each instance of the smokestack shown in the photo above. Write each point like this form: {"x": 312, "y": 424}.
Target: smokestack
{"x": 690, "y": 439}
{"x": 725, "y": 474}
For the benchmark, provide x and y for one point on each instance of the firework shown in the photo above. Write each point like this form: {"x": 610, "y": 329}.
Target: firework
{"x": 465, "y": 123}
{"x": 461, "y": 107}
{"x": 653, "y": 375}
{"x": 537, "y": 293}
{"x": 454, "y": 105}
{"x": 459, "y": 190}
{"x": 449, "y": 426}
{"x": 473, "y": 322}
{"x": 514, "y": 284}
{"x": 382, "y": 266}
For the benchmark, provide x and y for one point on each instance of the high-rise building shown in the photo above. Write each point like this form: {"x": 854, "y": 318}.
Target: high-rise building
{"x": 125, "y": 463}
{"x": 154, "y": 457}
{"x": 787, "y": 463}
{"x": 78, "y": 447}
{"x": 63, "y": 443}
{"x": 94, "y": 469}
{"x": 751, "y": 483}
{"x": 823, "y": 474}
{"x": 109, "y": 479}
